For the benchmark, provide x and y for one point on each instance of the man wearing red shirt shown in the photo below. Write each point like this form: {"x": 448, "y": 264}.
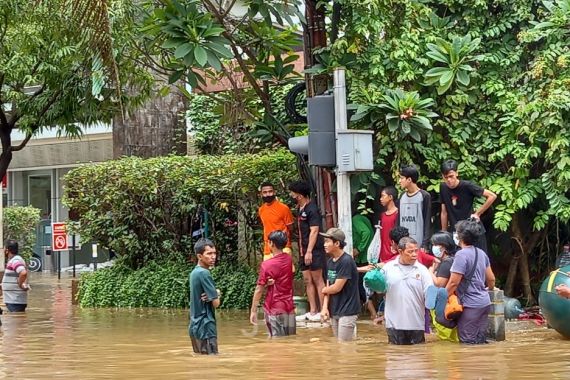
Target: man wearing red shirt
{"x": 276, "y": 275}
{"x": 399, "y": 232}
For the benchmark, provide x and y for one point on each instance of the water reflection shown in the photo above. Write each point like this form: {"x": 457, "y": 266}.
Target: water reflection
{"x": 57, "y": 340}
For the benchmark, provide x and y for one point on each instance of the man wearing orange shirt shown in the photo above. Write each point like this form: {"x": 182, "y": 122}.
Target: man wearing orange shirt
{"x": 275, "y": 216}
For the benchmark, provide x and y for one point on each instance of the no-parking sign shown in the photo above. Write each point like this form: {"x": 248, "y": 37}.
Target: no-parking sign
{"x": 59, "y": 237}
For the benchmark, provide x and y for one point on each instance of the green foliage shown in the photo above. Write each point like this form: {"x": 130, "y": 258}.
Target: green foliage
{"x": 455, "y": 56}
{"x": 20, "y": 224}
{"x": 499, "y": 78}
{"x": 51, "y": 78}
{"x": 405, "y": 114}
{"x": 192, "y": 37}
{"x": 147, "y": 209}
{"x": 204, "y": 43}
{"x": 214, "y": 127}
{"x": 162, "y": 285}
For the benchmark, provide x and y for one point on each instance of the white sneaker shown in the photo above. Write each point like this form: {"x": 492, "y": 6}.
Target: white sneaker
{"x": 302, "y": 317}
{"x": 314, "y": 317}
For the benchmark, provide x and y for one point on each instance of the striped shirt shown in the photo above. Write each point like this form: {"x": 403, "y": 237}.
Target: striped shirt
{"x": 12, "y": 292}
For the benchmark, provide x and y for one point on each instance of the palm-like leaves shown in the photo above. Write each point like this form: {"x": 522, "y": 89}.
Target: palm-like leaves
{"x": 405, "y": 114}
{"x": 455, "y": 56}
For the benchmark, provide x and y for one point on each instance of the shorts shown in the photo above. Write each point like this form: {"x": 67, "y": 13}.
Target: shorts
{"x": 318, "y": 262}
{"x": 207, "y": 346}
{"x": 281, "y": 324}
{"x": 344, "y": 328}
{"x": 405, "y": 337}
{"x": 16, "y": 307}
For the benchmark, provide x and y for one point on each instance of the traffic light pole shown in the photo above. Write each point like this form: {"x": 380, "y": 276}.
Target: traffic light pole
{"x": 342, "y": 177}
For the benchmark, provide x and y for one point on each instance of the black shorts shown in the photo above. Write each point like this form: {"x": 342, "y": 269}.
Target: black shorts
{"x": 318, "y": 262}
{"x": 406, "y": 337}
{"x": 205, "y": 346}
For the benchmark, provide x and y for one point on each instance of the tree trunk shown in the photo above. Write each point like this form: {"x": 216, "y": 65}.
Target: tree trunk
{"x": 526, "y": 241}
{"x": 243, "y": 257}
{"x": 511, "y": 276}
{"x": 158, "y": 128}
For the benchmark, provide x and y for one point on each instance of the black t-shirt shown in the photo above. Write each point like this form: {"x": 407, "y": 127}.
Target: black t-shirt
{"x": 347, "y": 301}
{"x": 309, "y": 216}
{"x": 444, "y": 268}
{"x": 459, "y": 201}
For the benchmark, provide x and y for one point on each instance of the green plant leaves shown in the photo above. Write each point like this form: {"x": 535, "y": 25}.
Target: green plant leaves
{"x": 455, "y": 56}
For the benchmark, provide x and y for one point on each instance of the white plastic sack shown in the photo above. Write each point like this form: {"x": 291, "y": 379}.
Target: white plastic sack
{"x": 373, "y": 253}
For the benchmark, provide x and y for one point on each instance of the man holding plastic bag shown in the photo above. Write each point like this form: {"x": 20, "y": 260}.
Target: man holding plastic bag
{"x": 405, "y": 282}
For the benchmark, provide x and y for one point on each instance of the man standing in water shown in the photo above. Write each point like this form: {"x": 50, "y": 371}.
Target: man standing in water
{"x": 406, "y": 285}
{"x": 312, "y": 255}
{"x": 274, "y": 215}
{"x": 204, "y": 298}
{"x": 278, "y": 307}
{"x": 15, "y": 282}
{"x": 341, "y": 301}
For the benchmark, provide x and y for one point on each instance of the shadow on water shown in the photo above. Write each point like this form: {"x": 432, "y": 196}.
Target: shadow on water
{"x": 57, "y": 340}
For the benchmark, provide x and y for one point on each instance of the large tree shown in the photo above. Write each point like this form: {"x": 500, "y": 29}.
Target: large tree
{"x": 59, "y": 69}
{"x": 499, "y": 77}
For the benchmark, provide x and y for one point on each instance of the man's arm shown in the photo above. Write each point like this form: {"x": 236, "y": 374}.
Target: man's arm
{"x": 443, "y": 216}
{"x": 488, "y": 202}
{"x": 255, "y": 303}
{"x": 313, "y": 235}
{"x": 211, "y": 293}
{"x": 336, "y": 287}
{"x": 325, "y": 315}
{"x": 490, "y": 278}
{"x": 426, "y": 212}
{"x": 453, "y": 282}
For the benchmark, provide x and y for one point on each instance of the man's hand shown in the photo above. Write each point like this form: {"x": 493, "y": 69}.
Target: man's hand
{"x": 325, "y": 290}
{"x": 308, "y": 258}
{"x": 475, "y": 216}
{"x": 325, "y": 316}
{"x": 563, "y": 291}
{"x": 253, "y": 317}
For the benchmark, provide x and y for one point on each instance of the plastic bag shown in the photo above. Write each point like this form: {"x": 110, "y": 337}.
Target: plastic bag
{"x": 375, "y": 280}
{"x": 373, "y": 253}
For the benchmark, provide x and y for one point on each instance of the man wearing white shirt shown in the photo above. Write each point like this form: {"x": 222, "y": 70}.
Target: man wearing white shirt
{"x": 407, "y": 281}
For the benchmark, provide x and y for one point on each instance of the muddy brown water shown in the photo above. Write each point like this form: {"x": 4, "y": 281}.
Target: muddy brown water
{"x": 55, "y": 340}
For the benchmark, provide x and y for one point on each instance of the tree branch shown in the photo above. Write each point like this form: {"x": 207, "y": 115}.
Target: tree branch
{"x": 22, "y": 144}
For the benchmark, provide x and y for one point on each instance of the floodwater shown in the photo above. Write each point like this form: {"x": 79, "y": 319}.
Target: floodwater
{"x": 55, "y": 340}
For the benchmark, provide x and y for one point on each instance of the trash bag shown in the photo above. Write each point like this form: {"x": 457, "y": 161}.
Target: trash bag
{"x": 375, "y": 280}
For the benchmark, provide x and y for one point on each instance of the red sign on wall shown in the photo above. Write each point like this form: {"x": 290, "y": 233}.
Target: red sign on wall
{"x": 4, "y": 182}
{"x": 59, "y": 237}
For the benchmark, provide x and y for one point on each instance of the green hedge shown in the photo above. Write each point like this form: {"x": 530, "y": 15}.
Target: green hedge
{"x": 147, "y": 209}
{"x": 162, "y": 285}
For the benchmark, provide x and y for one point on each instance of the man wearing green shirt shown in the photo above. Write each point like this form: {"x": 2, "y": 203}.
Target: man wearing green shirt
{"x": 204, "y": 298}
{"x": 362, "y": 235}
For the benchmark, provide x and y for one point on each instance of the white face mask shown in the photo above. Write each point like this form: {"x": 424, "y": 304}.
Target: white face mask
{"x": 455, "y": 238}
{"x": 437, "y": 251}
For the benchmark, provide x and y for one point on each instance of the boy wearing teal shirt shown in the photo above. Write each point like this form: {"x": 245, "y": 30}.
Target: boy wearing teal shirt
{"x": 204, "y": 299}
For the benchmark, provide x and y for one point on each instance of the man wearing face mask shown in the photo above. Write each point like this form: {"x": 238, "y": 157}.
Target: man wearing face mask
{"x": 275, "y": 216}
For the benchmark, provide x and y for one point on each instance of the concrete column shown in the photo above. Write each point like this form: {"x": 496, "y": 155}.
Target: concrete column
{"x": 496, "y": 329}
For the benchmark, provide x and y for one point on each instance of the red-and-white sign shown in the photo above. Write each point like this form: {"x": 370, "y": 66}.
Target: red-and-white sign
{"x": 59, "y": 237}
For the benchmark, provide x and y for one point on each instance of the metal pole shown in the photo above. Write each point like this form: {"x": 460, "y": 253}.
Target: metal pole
{"x": 73, "y": 252}
{"x": 58, "y": 253}
{"x": 94, "y": 255}
{"x": 343, "y": 178}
